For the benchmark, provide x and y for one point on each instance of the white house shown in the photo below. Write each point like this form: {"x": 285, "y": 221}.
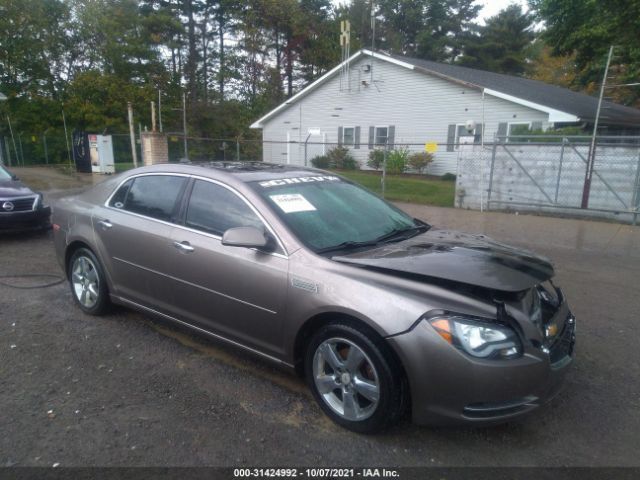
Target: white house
{"x": 373, "y": 99}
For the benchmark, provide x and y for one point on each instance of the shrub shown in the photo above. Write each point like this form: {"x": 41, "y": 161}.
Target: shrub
{"x": 321, "y": 161}
{"x": 421, "y": 160}
{"x": 397, "y": 161}
{"x": 340, "y": 158}
{"x": 376, "y": 158}
{"x": 449, "y": 177}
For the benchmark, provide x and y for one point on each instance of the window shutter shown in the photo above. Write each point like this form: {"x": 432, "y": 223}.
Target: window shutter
{"x": 339, "y": 136}
{"x": 478, "y": 134}
{"x": 356, "y": 142}
{"x": 391, "y": 136}
{"x": 451, "y": 137}
{"x": 502, "y": 129}
{"x": 372, "y": 134}
{"x": 536, "y": 126}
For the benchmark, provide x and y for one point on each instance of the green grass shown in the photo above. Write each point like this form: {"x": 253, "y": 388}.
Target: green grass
{"x": 410, "y": 189}
{"x": 122, "y": 167}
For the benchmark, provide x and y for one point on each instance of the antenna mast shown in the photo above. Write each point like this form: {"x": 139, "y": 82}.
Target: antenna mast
{"x": 345, "y": 45}
{"x": 373, "y": 36}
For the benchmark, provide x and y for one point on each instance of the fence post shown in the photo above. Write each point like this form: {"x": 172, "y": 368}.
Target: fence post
{"x": 46, "y": 153}
{"x": 493, "y": 161}
{"x": 21, "y": 150}
{"x": 237, "y": 149}
{"x": 559, "y": 172}
{"x": 636, "y": 194}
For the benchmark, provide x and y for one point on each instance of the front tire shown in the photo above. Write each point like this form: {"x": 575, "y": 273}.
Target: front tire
{"x": 354, "y": 378}
{"x": 87, "y": 282}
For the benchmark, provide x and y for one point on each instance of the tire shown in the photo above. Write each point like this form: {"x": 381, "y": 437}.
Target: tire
{"x": 87, "y": 283}
{"x": 354, "y": 382}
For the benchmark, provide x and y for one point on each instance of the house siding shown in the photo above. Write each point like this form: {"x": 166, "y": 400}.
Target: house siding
{"x": 420, "y": 107}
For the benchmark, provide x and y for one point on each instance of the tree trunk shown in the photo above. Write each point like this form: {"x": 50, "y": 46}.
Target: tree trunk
{"x": 289, "y": 66}
{"x": 192, "y": 56}
{"x": 221, "y": 72}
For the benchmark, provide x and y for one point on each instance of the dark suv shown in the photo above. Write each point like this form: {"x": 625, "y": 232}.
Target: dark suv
{"x": 20, "y": 207}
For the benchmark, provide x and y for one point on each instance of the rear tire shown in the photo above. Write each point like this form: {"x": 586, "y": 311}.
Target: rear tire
{"x": 87, "y": 282}
{"x": 353, "y": 379}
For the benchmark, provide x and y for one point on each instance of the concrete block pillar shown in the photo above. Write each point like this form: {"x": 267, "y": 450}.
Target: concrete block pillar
{"x": 155, "y": 148}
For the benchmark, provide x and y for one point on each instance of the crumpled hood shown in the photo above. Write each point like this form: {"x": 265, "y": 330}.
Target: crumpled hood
{"x": 14, "y": 188}
{"x": 459, "y": 257}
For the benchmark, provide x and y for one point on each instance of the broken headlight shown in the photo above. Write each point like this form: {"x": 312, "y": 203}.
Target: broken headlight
{"x": 478, "y": 338}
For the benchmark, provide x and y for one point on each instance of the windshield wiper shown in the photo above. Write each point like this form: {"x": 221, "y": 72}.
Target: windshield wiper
{"x": 402, "y": 233}
{"x": 347, "y": 246}
{"x": 393, "y": 235}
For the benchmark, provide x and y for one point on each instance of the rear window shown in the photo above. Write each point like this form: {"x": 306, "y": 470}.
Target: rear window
{"x": 153, "y": 196}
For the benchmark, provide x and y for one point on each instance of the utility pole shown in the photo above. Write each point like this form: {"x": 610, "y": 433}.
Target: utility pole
{"x": 132, "y": 136}
{"x": 592, "y": 148}
{"x": 160, "y": 110}
{"x": 153, "y": 117}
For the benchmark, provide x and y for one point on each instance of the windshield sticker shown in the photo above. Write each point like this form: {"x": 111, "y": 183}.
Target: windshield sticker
{"x": 290, "y": 181}
{"x": 292, "y": 203}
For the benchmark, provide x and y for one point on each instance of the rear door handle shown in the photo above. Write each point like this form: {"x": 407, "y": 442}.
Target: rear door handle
{"x": 184, "y": 246}
{"x": 105, "y": 224}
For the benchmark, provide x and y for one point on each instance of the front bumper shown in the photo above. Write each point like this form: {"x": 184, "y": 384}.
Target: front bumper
{"x": 24, "y": 220}
{"x": 449, "y": 387}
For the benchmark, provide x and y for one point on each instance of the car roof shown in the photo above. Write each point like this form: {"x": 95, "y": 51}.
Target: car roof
{"x": 239, "y": 171}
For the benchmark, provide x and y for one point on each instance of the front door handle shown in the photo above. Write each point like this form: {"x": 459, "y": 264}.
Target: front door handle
{"x": 105, "y": 224}
{"x": 184, "y": 246}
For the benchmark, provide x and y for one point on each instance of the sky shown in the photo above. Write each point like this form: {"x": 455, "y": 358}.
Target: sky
{"x": 491, "y": 7}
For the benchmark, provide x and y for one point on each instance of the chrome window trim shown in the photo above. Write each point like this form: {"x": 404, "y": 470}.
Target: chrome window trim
{"x": 183, "y": 227}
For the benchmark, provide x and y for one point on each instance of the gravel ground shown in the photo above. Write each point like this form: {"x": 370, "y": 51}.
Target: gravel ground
{"x": 127, "y": 390}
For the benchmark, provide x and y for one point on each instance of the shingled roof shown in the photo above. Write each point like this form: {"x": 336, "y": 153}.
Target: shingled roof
{"x": 562, "y": 104}
{"x": 579, "y": 104}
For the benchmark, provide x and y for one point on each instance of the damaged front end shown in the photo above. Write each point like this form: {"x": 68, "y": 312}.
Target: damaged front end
{"x": 489, "y": 370}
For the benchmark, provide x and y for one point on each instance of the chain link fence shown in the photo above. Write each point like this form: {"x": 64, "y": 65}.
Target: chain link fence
{"x": 550, "y": 175}
{"x": 523, "y": 173}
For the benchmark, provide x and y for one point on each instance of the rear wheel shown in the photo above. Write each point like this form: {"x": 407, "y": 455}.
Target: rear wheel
{"x": 88, "y": 285}
{"x": 353, "y": 381}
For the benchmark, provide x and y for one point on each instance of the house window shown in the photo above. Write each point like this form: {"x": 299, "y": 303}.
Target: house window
{"x": 382, "y": 135}
{"x": 464, "y": 135}
{"x": 519, "y": 128}
{"x": 348, "y": 136}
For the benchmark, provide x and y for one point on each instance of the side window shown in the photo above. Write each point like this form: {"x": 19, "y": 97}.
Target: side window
{"x": 382, "y": 135}
{"x": 214, "y": 209}
{"x": 348, "y": 136}
{"x": 118, "y": 199}
{"x": 154, "y": 196}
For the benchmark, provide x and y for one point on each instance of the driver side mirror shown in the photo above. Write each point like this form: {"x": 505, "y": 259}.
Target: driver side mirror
{"x": 14, "y": 177}
{"x": 248, "y": 237}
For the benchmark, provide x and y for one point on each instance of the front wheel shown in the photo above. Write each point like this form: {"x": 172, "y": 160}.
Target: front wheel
{"x": 88, "y": 285}
{"x": 353, "y": 379}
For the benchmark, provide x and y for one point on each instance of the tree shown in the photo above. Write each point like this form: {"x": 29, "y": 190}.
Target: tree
{"x": 37, "y": 50}
{"x": 429, "y": 29}
{"x": 553, "y": 69}
{"x": 501, "y": 45}
{"x": 588, "y": 29}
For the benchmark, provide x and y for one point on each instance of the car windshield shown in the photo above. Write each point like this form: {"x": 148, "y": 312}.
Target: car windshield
{"x": 330, "y": 214}
{"x": 4, "y": 175}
